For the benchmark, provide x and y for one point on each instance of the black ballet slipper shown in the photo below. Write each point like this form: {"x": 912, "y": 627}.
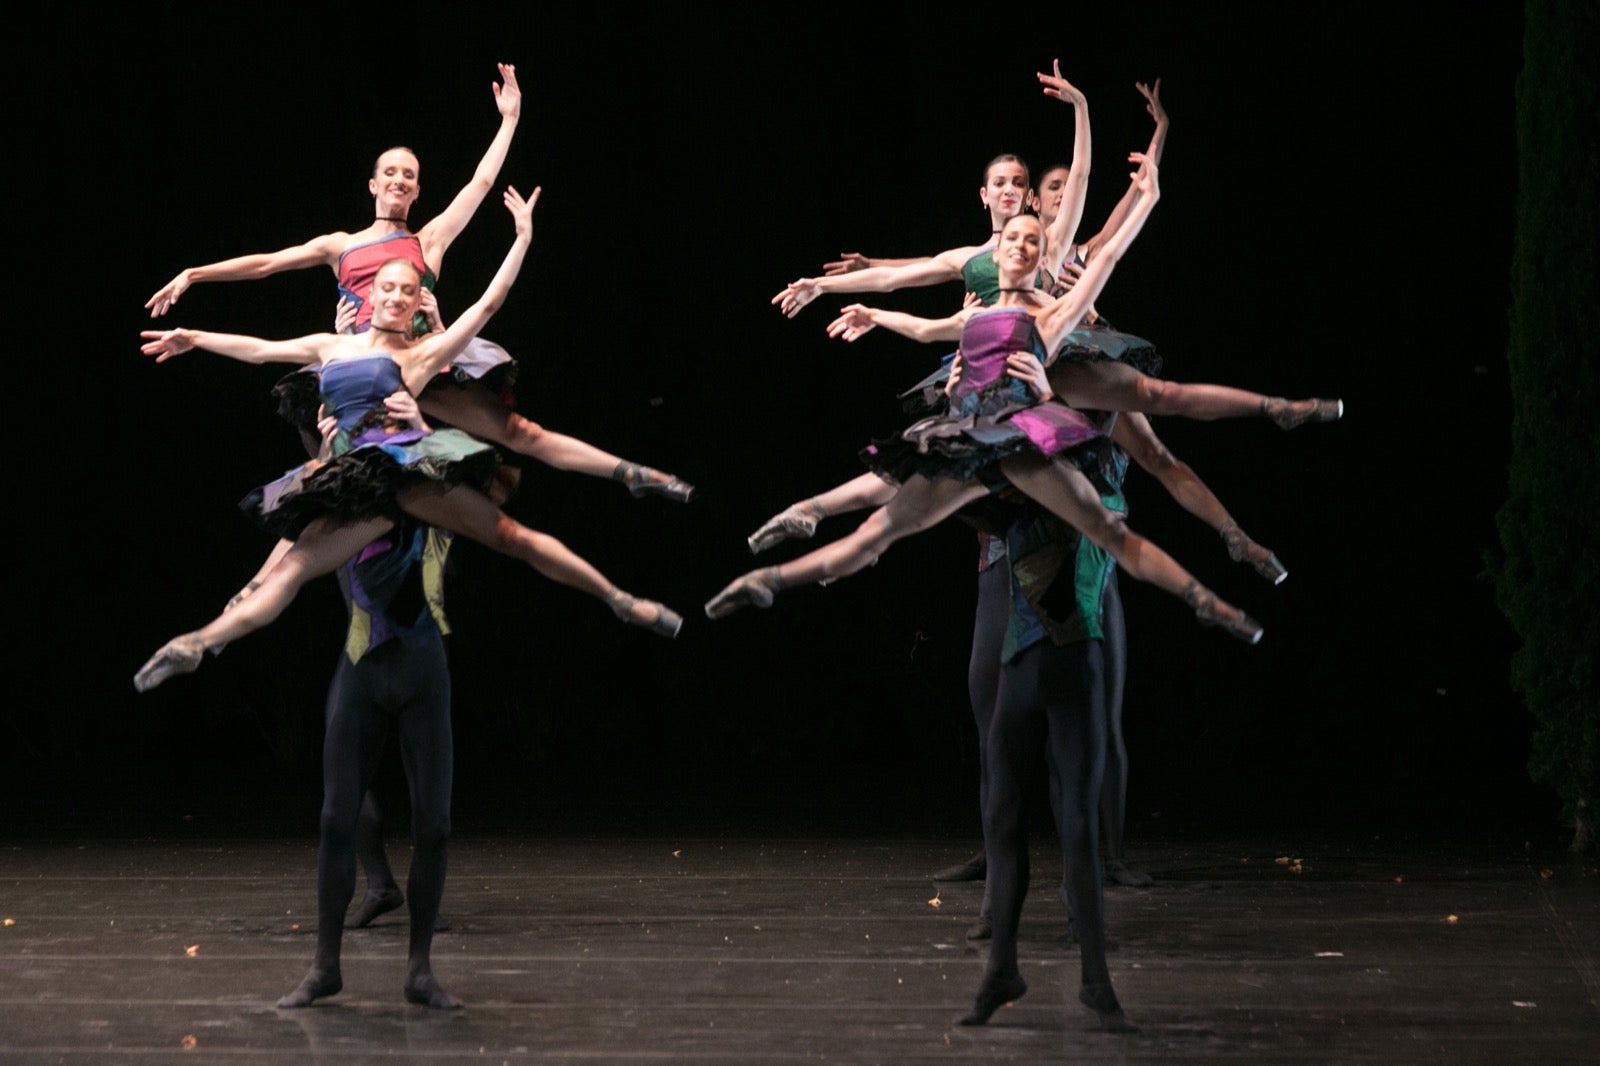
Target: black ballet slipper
{"x": 372, "y": 905}
{"x": 422, "y": 988}
{"x": 1118, "y": 873}
{"x": 180, "y": 655}
{"x": 1210, "y": 611}
{"x": 758, "y": 588}
{"x": 974, "y": 869}
{"x": 312, "y": 987}
{"x": 1289, "y": 414}
{"x": 994, "y": 993}
{"x": 1102, "y": 999}
{"x": 798, "y": 522}
{"x": 643, "y": 481}
{"x": 664, "y": 623}
{"x": 1241, "y": 549}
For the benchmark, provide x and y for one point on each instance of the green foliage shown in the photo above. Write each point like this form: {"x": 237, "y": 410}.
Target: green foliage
{"x": 1547, "y": 575}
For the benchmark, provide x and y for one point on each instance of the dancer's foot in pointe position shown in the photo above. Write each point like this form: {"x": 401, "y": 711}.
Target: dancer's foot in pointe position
{"x": 643, "y": 481}
{"x": 423, "y": 988}
{"x": 318, "y": 982}
{"x": 1118, "y": 873}
{"x": 373, "y": 904}
{"x": 755, "y": 589}
{"x": 1102, "y": 999}
{"x": 795, "y": 522}
{"x": 1214, "y": 612}
{"x": 1291, "y": 413}
{"x": 1241, "y": 549}
{"x": 180, "y": 655}
{"x": 657, "y": 618}
{"x": 994, "y": 993}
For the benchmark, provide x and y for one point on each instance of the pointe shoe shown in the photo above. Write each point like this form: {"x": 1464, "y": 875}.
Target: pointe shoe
{"x": 1241, "y": 549}
{"x": 180, "y": 655}
{"x": 1291, "y": 413}
{"x": 643, "y": 481}
{"x": 1211, "y": 611}
{"x": 797, "y": 522}
{"x": 994, "y": 993}
{"x": 755, "y": 589}
{"x": 665, "y": 623}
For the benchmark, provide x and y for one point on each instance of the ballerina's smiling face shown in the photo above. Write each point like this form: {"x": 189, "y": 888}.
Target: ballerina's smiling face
{"x": 394, "y": 183}
{"x": 395, "y": 291}
{"x": 1018, "y": 250}
{"x": 1052, "y": 187}
{"x": 1005, "y": 187}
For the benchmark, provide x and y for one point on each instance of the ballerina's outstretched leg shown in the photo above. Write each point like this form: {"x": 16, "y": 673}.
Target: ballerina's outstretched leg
{"x": 1108, "y": 385}
{"x": 799, "y": 521}
{"x": 476, "y": 410}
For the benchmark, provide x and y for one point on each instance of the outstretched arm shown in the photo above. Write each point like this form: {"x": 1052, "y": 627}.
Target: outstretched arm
{"x": 164, "y": 344}
{"x": 1064, "y": 227}
{"x": 319, "y": 251}
{"x": 1066, "y": 311}
{"x": 445, "y": 227}
{"x": 856, "y": 319}
{"x": 850, "y": 261}
{"x": 946, "y": 266}
{"x": 435, "y": 351}
{"x": 1158, "y": 142}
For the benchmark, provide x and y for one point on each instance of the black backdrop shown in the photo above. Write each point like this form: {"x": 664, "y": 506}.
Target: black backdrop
{"x": 1336, "y": 220}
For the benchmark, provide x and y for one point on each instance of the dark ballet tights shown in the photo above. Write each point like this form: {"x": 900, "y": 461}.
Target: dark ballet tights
{"x": 1051, "y": 699}
{"x": 406, "y": 682}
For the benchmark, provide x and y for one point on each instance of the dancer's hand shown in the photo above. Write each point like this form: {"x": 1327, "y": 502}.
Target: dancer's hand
{"x": 164, "y": 344}
{"x": 1070, "y": 273}
{"x": 522, "y": 210}
{"x": 344, "y": 315}
{"x": 1144, "y": 179}
{"x": 846, "y": 262}
{"x": 1057, "y": 86}
{"x": 853, "y": 322}
{"x": 971, "y": 300}
{"x": 327, "y": 429}
{"x": 508, "y": 97}
{"x": 1026, "y": 368}
{"x": 428, "y": 307}
{"x": 1152, "y": 100}
{"x": 166, "y": 297}
{"x": 796, "y": 295}
{"x": 402, "y": 408}
{"x": 952, "y": 382}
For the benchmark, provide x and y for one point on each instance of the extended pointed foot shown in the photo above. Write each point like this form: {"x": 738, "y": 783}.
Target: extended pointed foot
{"x": 1102, "y": 999}
{"x": 656, "y": 617}
{"x": 180, "y": 655}
{"x": 376, "y": 902}
{"x": 796, "y": 522}
{"x": 755, "y": 589}
{"x": 317, "y": 983}
{"x": 994, "y": 993}
{"x": 1241, "y": 549}
{"x": 643, "y": 481}
{"x": 1289, "y": 414}
{"x": 423, "y": 988}
{"x": 1211, "y": 611}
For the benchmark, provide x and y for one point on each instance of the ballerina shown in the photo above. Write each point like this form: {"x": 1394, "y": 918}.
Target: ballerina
{"x": 995, "y": 434}
{"x": 332, "y": 510}
{"x": 474, "y": 395}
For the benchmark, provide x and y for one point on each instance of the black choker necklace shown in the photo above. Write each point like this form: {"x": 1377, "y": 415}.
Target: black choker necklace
{"x": 385, "y": 329}
{"x": 1029, "y": 289}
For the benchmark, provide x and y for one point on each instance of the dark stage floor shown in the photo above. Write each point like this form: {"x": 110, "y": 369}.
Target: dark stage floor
{"x": 742, "y": 949}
